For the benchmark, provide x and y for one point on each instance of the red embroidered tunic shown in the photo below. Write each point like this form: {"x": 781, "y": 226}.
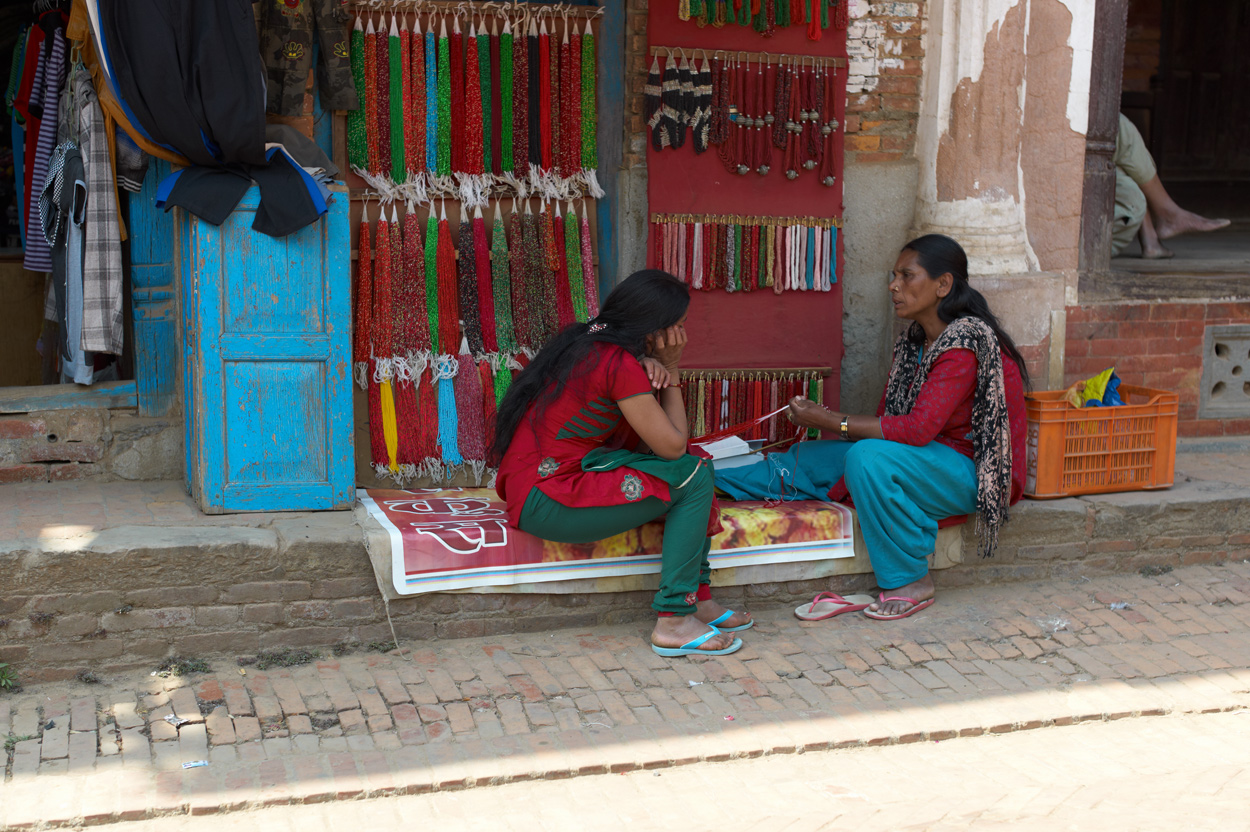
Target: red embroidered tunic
{"x": 547, "y": 452}
{"x": 943, "y": 413}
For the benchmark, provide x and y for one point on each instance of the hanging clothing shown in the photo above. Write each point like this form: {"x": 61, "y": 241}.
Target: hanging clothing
{"x": 44, "y": 101}
{"x": 286, "y": 47}
{"x": 63, "y": 213}
{"x": 102, "y": 272}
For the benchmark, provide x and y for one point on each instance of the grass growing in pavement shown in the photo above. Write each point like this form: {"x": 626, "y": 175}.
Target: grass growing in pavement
{"x": 8, "y": 677}
{"x": 286, "y": 657}
{"x": 182, "y": 666}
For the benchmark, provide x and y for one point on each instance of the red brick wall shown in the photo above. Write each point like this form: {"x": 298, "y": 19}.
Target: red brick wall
{"x": 885, "y": 48}
{"x": 1153, "y": 345}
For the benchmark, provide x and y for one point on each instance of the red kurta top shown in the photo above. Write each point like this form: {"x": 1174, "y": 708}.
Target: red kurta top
{"x": 547, "y": 452}
{"x": 943, "y": 413}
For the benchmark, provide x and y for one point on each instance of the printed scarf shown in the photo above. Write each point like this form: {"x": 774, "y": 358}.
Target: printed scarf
{"x": 991, "y": 429}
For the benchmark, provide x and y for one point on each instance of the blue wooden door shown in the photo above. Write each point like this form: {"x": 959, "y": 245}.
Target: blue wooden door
{"x": 268, "y": 363}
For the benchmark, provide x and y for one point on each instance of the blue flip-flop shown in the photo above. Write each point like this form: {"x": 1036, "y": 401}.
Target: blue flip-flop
{"x": 691, "y": 648}
{"x": 728, "y": 615}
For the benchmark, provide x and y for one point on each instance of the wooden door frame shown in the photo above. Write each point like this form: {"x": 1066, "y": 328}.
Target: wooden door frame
{"x": 1106, "y": 77}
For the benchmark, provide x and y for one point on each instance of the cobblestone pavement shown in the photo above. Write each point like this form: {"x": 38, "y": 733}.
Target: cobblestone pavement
{"x": 479, "y": 712}
{"x": 1189, "y": 772}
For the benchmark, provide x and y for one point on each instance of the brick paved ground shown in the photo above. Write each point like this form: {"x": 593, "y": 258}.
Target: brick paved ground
{"x": 1188, "y": 772}
{"x": 484, "y": 711}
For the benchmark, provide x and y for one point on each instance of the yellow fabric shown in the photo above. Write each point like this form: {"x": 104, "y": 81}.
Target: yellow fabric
{"x": 1095, "y": 388}
{"x": 390, "y": 428}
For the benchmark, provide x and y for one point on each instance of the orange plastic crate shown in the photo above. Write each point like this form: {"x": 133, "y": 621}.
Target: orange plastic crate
{"x": 1097, "y": 450}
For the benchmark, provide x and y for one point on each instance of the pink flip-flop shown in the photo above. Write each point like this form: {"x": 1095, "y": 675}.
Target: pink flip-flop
{"x": 828, "y": 604}
{"x": 916, "y": 606}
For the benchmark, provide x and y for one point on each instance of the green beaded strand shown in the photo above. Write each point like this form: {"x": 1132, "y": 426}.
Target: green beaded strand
{"x": 590, "y": 145}
{"x": 573, "y": 261}
{"x": 444, "y": 102}
{"x": 431, "y": 278}
{"x": 399, "y": 170}
{"x": 484, "y": 70}
{"x": 501, "y": 285}
{"x": 357, "y": 138}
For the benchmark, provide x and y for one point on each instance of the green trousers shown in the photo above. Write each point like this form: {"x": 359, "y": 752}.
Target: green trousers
{"x": 683, "y": 563}
{"x": 1133, "y": 167}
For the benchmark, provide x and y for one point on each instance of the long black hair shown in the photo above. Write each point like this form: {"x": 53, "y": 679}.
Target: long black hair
{"x": 939, "y": 255}
{"x": 641, "y": 304}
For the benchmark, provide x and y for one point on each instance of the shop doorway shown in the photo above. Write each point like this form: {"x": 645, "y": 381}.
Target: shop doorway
{"x": 1185, "y": 85}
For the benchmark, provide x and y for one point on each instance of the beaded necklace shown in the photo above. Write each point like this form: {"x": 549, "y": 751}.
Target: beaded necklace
{"x": 472, "y": 133}
{"x": 813, "y": 140}
{"x": 545, "y": 102}
{"x": 571, "y": 87}
{"x": 466, "y": 269}
{"x": 535, "y": 97}
{"x": 471, "y": 433}
{"x": 382, "y": 67}
{"x": 542, "y": 305}
{"x": 495, "y": 48}
{"x": 521, "y": 108}
{"x": 506, "y": 93}
{"x": 590, "y": 142}
{"x": 781, "y": 105}
{"x": 364, "y": 301}
{"x": 501, "y": 285}
{"x": 357, "y": 135}
{"x": 371, "y": 99}
{"x": 828, "y": 130}
{"x": 417, "y": 335}
{"x": 718, "y": 118}
{"x": 762, "y": 132}
{"x": 702, "y": 106}
{"x": 414, "y": 119}
{"x": 652, "y": 103}
{"x": 489, "y": 402}
{"x": 397, "y": 96}
{"x": 573, "y": 264}
{"x": 484, "y": 100}
{"x": 444, "y": 125}
{"x": 431, "y": 102}
{"x": 427, "y": 430}
{"x": 684, "y": 107}
{"x": 794, "y": 126}
{"x": 565, "y": 310}
{"x": 399, "y": 284}
{"x": 588, "y": 268}
{"x": 552, "y": 155}
{"x": 456, "y": 124}
{"x": 485, "y": 279}
{"x": 431, "y": 282}
{"x": 448, "y": 418}
{"x": 381, "y": 322}
{"x": 522, "y": 322}
{"x": 448, "y": 294}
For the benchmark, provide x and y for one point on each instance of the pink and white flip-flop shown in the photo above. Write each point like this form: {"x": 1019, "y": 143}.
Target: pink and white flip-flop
{"x": 916, "y": 606}
{"x": 828, "y": 604}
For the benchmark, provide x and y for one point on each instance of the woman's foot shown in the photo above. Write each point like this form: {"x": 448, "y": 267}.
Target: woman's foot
{"x": 708, "y": 611}
{"x": 679, "y": 630}
{"x": 921, "y": 590}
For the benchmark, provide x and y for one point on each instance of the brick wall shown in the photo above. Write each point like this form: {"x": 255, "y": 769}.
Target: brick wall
{"x": 93, "y": 444}
{"x": 885, "y": 47}
{"x": 883, "y": 84}
{"x": 1153, "y": 345}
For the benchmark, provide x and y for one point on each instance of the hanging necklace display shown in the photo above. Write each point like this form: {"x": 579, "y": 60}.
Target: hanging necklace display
{"x": 652, "y": 103}
{"x": 762, "y": 130}
{"x": 684, "y": 103}
{"x": 794, "y": 126}
{"x": 828, "y": 129}
{"x": 813, "y": 145}
{"x": 766, "y": 16}
{"x": 357, "y": 135}
{"x": 700, "y": 123}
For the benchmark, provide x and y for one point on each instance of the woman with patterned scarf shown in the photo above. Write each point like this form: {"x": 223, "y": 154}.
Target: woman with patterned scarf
{"x": 591, "y": 442}
{"x": 947, "y": 441}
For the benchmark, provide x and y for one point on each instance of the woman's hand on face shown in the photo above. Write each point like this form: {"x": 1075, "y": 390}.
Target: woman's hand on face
{"x": 807, "y": 414}
{"x": 667, "y": 346}
{"x": 657, "y": 372}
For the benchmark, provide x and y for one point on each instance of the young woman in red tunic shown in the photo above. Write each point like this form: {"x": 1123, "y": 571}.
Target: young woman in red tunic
{"x": 947, "y": 440}
{"x": 591, "y": 441}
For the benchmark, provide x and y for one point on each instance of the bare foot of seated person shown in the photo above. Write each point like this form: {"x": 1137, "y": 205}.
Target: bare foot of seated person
{"x": 1173, "y": 223}
{"x": 921, "y": 590}
{"x": 679, "y": 630}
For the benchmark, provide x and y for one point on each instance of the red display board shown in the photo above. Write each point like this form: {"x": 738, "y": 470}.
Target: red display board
{"x": 751, "y": 329}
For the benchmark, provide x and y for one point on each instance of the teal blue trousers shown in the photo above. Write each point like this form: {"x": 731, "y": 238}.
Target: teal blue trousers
{"x": 900, "y": 493}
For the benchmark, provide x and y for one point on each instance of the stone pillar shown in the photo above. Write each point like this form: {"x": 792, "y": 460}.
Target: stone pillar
{"x": 969, "y": 132}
